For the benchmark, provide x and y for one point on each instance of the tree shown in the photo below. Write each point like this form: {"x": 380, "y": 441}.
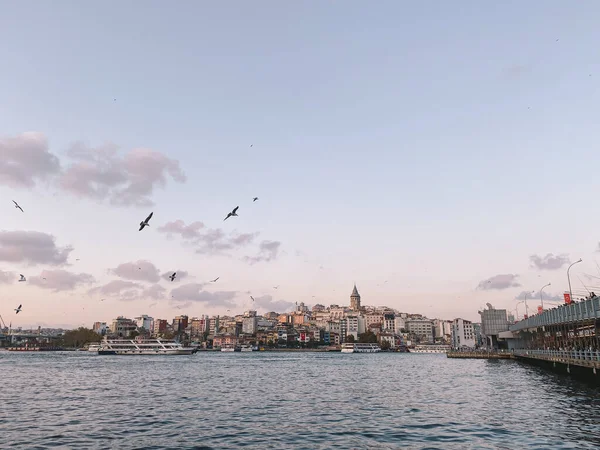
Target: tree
{"x": 79, "y": 337}
{"x": 368, "y": 337}
{"x": 385, "y": 345}
{"x": 133, "y": 334}
{"x": 350, "y": 338}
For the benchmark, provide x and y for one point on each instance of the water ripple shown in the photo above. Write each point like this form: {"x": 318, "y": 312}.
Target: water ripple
{"x": 281, "y": 401}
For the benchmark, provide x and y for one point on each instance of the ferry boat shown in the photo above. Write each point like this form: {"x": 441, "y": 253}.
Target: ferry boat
{"x": 230, "y": 348}
{"x": 247, "y": 348}
{"x": 350, "y": 347}
{"x": 143, "y": 347}
{"x": 93, "y": 348}
{"x": 430, "y": 348}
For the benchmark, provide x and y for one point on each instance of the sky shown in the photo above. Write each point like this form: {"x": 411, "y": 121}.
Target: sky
{"x": 439, "y": 155}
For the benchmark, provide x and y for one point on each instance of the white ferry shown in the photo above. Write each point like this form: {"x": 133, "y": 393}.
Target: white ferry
{"x": 432, "y": 348}
{"x": 247, "y": 348}
{"x": 93, "y": 348}
{"x": 230, "y": 348}
{"x": 350, "y": 347}
{"x": 143, "y": 347}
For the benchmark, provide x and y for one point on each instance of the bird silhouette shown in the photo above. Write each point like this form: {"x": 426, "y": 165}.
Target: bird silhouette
{"x": 18, "y": 310}
{"x": 145, "y": 222}
{"x": 17, "y": 206}
{"x": 254, "y": 199}
{"x": 231, "y": 214}
{"x": 22, "y": 277}
{"x": 215, "y": 280}
{"x": 172, "y": 277}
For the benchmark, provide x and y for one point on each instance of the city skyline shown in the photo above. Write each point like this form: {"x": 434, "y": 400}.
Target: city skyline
{"x": 382, "y": 152}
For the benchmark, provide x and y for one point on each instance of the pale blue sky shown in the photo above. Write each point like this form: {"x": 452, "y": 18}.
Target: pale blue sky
{"x": 443, "y": 142}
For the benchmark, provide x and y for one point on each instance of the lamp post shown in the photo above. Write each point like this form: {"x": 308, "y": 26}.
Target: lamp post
{"x": 517, "y": 309}
{"x": 541, "y": 297}
{"x": 569, "y": 278}
{"x": 527, "y": 309}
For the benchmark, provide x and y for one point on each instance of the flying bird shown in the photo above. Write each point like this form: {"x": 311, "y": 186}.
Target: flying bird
{"x": 17, "y": 206}
{"x": 145, "y": 222}
{"x": 254, "y": 199}
{"x": 231, "y": 214}
{"x": 102, "y": 299}
{"x": 252, "y": 298}
{"x": 276, "y": 287}
{"x": 172, "y": 277}
{"x": 18, "y": 310}
{"x": 214, "y": 281}
{"x": 77, "y": 259}
{"x": 22, "y": 277}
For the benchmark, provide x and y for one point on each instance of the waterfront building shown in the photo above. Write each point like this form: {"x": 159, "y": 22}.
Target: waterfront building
{"x": 100, "y": 328}
{"x": 373, "y": 318}
{"x": 355, "y": 300}
{"x": 463, "y": 334}
{"x": 180, "y": 323}
{"x": 199, "y": 326}
{"x": 250, "y": 324}
{"x": 389, "y": 338}
{"x": 352, "y": 326}
{"x": 493, "y": 322}
{"x": 159, "y": 327}
{"x": 213, "y": 325}
{"x": 144, "y": 322}
{"x": 389, "y": 322}
{"x": 225, "y": 340}
{"x": 400, "y": 323}
{"x": 121, "y": 326}
{"x": 421, "y": 328}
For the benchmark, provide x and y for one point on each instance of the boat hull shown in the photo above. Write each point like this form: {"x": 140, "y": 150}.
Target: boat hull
{"x": 182, "y": 351}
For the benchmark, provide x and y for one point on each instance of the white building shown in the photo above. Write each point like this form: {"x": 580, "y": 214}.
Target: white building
{"x": 422, "y": 329}
{"x": 463, "y": 334}
{"x": 145, "y": 322}
{"x": 400, "y": 323}
{"x": 389, "y": 322}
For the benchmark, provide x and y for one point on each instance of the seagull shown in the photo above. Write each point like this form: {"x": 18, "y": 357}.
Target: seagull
{"x": 214, "y": 281}
{"x": 102, "y": 299}
{"x": 276, "y": 287}
{"x": 22, "y": 277}
{"x": 43, "y": 278}
{"x": 172, "y": 277}
{"x": 17, "y": 206}
{"x": 145, "y": 222}
{"x": 18, "y": 310}
{"x": 232, "y": 213}
{"x": 252, "y": 298}
{"x": 77, "y": 259}
{"x": 254, "y": 199}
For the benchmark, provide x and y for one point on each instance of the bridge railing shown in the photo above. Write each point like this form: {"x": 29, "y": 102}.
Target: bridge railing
{"x": 582, "y": 355}
{"x": 587, "y": 309}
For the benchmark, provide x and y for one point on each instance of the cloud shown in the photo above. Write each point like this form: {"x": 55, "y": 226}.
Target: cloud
{"x": 267, "y": 303}
{"x": 60, "y": 280}
{"x": 187, "y": 232}
{"x": 502, "y": 281}
{"x": 207, "y": 240}
{"x": 181, "y": 274}
{"x": 268, "y": 251}
{"x": 115, "y": 287}
{"x": 25, "y": 159}
{"x": 155, "y": 292}
{"x": 7, "y": 277}
{"x": 550, "y": 261}
{"x": 32, "y": 247}
{"x": 140, "y": 270}
{"x": 192, "y": 292}
{"x": 101, "y": 173}
{"x": 535, "y": 295}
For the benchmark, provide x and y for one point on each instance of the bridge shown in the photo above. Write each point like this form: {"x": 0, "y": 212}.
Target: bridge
{"x": 587, "y": 310}
{"x": 564, "y": 339}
